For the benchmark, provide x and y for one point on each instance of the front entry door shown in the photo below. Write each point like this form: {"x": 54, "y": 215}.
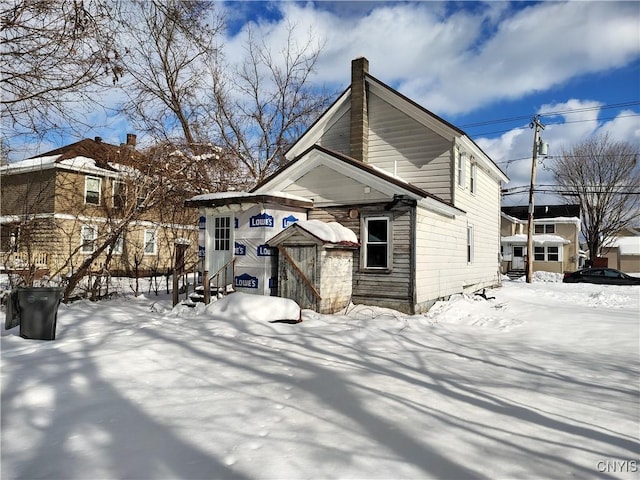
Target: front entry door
{"x": 220, "y": 243}
{"x": 517, "y": 262}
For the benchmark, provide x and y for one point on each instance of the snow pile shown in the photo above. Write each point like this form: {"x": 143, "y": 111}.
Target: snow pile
{"x": 332, "y": 232}
{"x": 133, "y": 388}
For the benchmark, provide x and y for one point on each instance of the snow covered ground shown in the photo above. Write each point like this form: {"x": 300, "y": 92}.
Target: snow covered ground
{"x": 541, "y": 381}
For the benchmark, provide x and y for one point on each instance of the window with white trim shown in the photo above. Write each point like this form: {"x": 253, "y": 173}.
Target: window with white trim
{"x": 469, "y": 243}
{"x": 544, "y": 228}
{"x": 550, "y": 253}
{"x": 222, "y": 233}
{"x": 88, "y": 238}
{"x": 376, "y": 243}
{"x": 150, "y": 242}
{"x": 119, "y": 194}
{"x": 460, "y": 160}
{"x": 92, "y": 190}
{"x": 118, "y": 246}
{"x": 473, "y": 178}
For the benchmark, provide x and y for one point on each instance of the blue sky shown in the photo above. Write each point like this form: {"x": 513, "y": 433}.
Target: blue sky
{"x": 478, "y": 62}
{"x": 473, "y": 63}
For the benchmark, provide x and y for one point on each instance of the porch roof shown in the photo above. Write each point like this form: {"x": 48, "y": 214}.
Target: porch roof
{"x": 546, "y": 239}
{"x": 221, "y": 199}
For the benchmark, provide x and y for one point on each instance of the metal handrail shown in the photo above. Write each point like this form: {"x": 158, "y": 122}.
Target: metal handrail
{"x": 207, "y": 279}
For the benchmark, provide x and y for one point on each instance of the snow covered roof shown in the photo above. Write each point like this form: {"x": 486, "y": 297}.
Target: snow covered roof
{"x": 537, "y": 239}
{"x": 228, "y": 198}
{"x": 626, "y": 245}
{"x": 327, "y": 232}
{"x": 554, "y": 220}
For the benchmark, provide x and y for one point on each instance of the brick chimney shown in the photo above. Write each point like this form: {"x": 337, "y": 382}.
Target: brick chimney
{"x": 131, "y": 140}
{"x": 359, "y": 131}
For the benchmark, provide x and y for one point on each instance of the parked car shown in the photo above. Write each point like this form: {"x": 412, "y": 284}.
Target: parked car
{"x": 607, "y": 276}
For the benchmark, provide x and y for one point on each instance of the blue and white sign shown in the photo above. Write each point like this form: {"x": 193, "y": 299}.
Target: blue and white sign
{"x": 235, "y": 222}
{"x": 290, "y": 220}
{"x": 265, "y": 251}
{"x": 202, "y": 222}
{"x": 246, "y": 281}
{"x": 262, "y": 220}
{"x": 200, "y": 251}
{"x": 240, "y": 249}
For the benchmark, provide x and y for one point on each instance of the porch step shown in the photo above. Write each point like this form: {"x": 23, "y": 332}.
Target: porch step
{"x": 516, "y": 274}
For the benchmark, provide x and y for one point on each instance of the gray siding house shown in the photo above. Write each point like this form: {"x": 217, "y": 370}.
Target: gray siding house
{"x": 422, "y": 198}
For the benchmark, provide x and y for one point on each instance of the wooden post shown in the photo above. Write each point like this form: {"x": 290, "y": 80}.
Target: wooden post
{"x": 205, "y": 284}
{"x": 175, "y": 288}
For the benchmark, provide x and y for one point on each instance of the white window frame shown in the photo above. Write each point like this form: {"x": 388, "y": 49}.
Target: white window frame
{"x": 152, "y": 241}
{"x": 473, "y": 177}
{"x": 546, "y": 254}
{"x": 113, "y": 193}
{"x": 87, "y": 178}
{"x": 470, "y": 243}
{"x": 460, "y": 166}
{"x": 86, "y": 241}
{"x": 547, "y": 228}
{"x": 365, "y": 244}
{"x": 118, "y": 247}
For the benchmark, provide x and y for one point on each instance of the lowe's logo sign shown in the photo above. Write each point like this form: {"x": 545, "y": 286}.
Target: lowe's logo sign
{"x": 265, "y": 251}
{"x": 290, "y": 220}
{"x": 246, "y": 281}
{"x": 240, "y": 249}
{"x": 202, "y": 223}
{"x": 262, "y": 220}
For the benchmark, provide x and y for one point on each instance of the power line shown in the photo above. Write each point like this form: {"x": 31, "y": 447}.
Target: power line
{"x": 550, "y": 114}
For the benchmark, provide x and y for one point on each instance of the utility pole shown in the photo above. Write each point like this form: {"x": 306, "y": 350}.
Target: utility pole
{"x": 535, "y": 123}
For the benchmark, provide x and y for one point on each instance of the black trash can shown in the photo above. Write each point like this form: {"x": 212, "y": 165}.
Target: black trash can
{"x": 38, "y": 311}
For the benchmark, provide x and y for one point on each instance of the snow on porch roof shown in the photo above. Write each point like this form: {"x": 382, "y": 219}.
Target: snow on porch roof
{"x": 330, "y": 232}
{"x": 220, "y": 199}
{"x": 537, "y": 239}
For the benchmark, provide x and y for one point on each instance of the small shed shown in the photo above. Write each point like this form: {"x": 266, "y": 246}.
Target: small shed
{"x": 315, "y": 264}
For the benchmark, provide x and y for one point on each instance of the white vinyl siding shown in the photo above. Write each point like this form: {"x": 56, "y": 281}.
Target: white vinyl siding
{"x": 401, "y": 146}
{"x": 337, "y": 136}
{"x": 324, "y": 185}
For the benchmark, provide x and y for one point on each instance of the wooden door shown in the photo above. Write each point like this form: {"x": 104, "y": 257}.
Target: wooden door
{"x": 297, "y": 275}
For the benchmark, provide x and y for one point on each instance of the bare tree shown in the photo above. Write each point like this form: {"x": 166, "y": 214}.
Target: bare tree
{"x": 604, "y": 176}
{"x": 53, "y": 55}
{"x": 263, "y": 105}
{"x": 167, "y": 47}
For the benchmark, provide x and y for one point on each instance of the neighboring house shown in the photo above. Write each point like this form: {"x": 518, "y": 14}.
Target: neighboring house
{"x": 57, "y": 207}
{"x": 623, "y": 251}
{"x": 422, "y": 198}
{"x": 556, "y": 238}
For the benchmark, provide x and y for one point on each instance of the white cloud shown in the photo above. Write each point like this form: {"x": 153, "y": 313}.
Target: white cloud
{"x": 455, "y": 62}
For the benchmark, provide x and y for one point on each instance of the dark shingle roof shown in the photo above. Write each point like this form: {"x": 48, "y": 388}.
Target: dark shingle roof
{"x": 521, "y": 212}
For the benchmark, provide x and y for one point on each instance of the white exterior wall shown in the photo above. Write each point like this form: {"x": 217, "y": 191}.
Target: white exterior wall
{"x": 326, "y": 186}
{"x": 402, "y": 146}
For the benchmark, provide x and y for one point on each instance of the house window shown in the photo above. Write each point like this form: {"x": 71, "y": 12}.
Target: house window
{"x": 222, "y": 233}
{"x": 119, "y": 194}
{"x": 150, "y": 242}
{"x": 470, "y": 244}
{"x": 473, "y": 181}
{"x": 547, "y": 254}
{"x": 92, "y": 190}
{"x": 88, "y": 239}
{"x": 460, "y": 157}
{"x": 376, "y": 250}
{"x": 544, "y": 228}
{"x": 118, "y": 246}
